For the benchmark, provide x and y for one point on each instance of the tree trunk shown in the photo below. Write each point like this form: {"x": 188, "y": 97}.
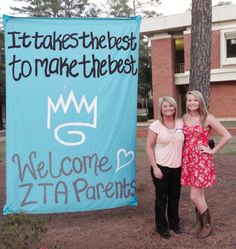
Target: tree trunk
{"x": 201, "y": 40}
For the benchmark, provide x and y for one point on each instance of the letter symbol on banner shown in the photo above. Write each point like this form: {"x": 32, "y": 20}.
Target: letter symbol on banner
{"x": 91, "y": 111}
{"x": 126, "y": 157}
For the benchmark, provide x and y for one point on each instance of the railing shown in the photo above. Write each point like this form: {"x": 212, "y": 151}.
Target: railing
{"x": 179, "y": 68}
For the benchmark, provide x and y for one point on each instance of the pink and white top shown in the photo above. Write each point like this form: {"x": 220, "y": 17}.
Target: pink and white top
{"x": 169, "y": 144}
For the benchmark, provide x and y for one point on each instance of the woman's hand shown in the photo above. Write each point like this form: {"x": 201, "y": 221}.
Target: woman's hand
{"x": 157, "y": 172}
{"x": 206, "y": 149}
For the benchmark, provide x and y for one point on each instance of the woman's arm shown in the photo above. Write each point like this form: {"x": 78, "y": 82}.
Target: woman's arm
{"x": 220, "y": 130}
{"x": 150, "y": 143}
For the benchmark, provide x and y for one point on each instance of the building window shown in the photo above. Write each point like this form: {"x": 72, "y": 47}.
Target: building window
{"x": 179, "y": 55}
{"x": 228, "y": 47}
{"x": 231, "y": 48}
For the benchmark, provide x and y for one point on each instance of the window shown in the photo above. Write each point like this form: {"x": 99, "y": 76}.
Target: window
{"x": 228, "y": 47}
{"x": 231, "y": 48}
{"x": 179, "y": 55}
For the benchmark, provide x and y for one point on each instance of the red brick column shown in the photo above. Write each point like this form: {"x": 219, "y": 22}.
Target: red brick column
{"x": 162, "y": 52}
{"x": 187, "y": 51}
{"x": 215, "y": 57}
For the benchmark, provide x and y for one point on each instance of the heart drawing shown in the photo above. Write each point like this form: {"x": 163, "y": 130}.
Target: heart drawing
{"x": 125, "y": 157}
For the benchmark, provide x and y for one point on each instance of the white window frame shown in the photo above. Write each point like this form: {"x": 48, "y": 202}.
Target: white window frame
{"x": 224, "y": 35}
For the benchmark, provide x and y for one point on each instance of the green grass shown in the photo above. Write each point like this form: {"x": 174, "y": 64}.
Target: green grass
{"x": 2, "y": 150}
{"x": 229, "y": 123}
{"x": 228, "y": 149}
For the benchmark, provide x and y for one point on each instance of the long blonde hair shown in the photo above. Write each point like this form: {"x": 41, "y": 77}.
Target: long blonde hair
{"x": 169, "y": 100}
{"x": 202, "y": 105}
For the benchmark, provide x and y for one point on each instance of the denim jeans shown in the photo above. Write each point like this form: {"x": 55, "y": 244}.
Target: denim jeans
{"x": 167, "y": 192}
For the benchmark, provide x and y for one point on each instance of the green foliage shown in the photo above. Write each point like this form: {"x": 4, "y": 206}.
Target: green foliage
{"x": 57, "y": 8}
{"x": 145, "y": 74}
{"x": 223, "y": 3}
{"x": 2, "y": 151}
{"x": 20, "y": 231}
{"x": 142, "y": 8}
{"x": 120, "y": 8}
{"x": 93, "y": 10}
{"x": 142, "y": 118}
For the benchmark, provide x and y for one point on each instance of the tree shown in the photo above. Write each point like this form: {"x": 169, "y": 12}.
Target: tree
{"x": 32, "y": 8}
{"x": 122, "y": 8}
{"x": 93, "y": 10}
{"x": 57, "y": 8}
{"x": 201, "y": 40}
{"x": 119, "y": 8}
{"x": 222, "y": 3}
{"x": 74, "y": 7}
{"x": 145, "y": 71}
{"x": 142, "y": 7}
{"x": 53, "y": 8}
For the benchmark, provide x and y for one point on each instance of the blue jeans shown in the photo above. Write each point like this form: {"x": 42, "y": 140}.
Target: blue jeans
{"x": 167, "y": 192}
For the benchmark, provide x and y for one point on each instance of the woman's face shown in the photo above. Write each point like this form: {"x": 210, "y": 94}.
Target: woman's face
{"x": 192, "y": 103}
{"x": 167, "y": 109}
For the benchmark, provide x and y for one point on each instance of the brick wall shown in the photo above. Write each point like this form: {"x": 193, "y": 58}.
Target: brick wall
{"x": 223, "y": 94}
{"x": 187, "y": 48}
{"x": 223, "y": 99}
{"x": 215, "y": 55}
{"x": 215, "y": 62}
{"x": 162, "y": 69}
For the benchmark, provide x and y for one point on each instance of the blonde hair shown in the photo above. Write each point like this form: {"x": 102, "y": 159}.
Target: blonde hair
{"x": 202, "y": 104}
{"x": 169, "y": 100}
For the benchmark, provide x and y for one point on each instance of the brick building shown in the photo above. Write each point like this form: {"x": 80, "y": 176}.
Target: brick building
{"x": 170, "y": 53}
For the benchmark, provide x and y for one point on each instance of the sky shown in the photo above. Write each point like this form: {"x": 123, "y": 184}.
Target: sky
{"x": 168, "y": 7}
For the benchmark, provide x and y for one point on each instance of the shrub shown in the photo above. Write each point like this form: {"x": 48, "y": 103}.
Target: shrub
{"x": 20, "y": 231}
{"x": 142, "y": 118}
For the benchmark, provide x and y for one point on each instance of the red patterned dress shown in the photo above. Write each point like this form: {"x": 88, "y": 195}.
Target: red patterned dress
{"x": 197, "y": 168}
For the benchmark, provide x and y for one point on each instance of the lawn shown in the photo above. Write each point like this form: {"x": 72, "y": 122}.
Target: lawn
{"x": 2, "y": 150}
{"x": 229, "y": 123}
{"x": 229, "y": 149}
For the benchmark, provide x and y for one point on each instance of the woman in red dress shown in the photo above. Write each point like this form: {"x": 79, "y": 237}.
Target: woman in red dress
{"x": 197, "y": 164}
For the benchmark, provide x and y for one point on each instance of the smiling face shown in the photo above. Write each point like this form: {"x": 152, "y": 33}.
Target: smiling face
{"x": 192, "y": 103}
{"x": 196, "y": 103}
{"x": 167, "y": 109}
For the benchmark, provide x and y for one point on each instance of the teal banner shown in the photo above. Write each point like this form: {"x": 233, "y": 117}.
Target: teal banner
{"x": 71, "y": 113}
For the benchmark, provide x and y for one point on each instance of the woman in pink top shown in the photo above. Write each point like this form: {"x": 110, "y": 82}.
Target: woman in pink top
{"x": 164, "y": 150}
{"x": 198, "y": 167}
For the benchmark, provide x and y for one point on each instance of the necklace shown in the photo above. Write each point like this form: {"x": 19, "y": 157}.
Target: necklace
{"x": 194, "y": 120}
{"x": 170, "y": 130}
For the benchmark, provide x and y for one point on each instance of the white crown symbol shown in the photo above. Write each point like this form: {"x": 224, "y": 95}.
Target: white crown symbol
{"x": 78, "y": 107}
